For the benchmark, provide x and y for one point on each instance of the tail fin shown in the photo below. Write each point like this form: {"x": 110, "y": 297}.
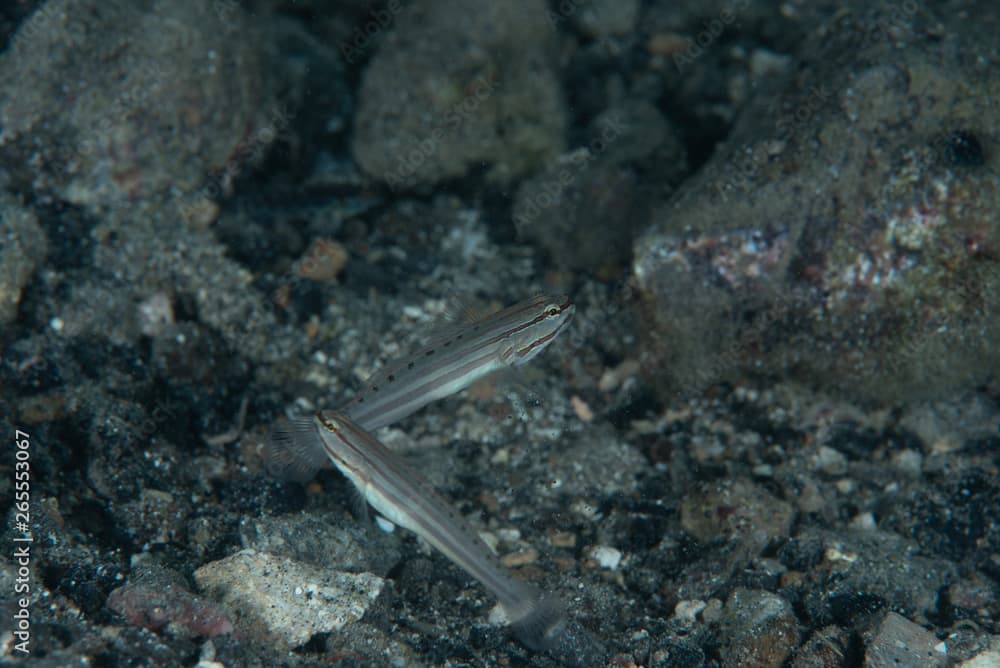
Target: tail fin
{"x": 295, "y": 451}
{"x": 540, "y": 628}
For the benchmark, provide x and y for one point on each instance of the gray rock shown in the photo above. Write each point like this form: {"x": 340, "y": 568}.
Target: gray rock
{"x": 286, "y": 599}
{"x": 825, "y": 648}
{"x": 107, "y": 101}
{"x": 737, "y": 510}
{"x": 758, "y": 629}
{"x": 457, "y": 85}
{"x": 897, "y": 641}
{"x": 850, "y": 572}
{"x": 839, "y": 236}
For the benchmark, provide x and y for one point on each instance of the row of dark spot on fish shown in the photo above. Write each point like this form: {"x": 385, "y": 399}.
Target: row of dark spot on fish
{"x": 392, "y": 377}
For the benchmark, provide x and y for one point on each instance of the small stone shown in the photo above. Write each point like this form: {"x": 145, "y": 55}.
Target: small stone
{"x": 667, "y": 44}
{"x": 501, "y": 456}
{"x": 611, "y": 379}
{"x": 606, "y": 557}
{"x": 200, "y": 212}
{"x": 908, "y": 462}
{"x": 768, "y": 63}
{"x": 825, "y": 648}
{"x": 23, "y": 246}
{"x": 155, "y": 314}
{"x": 602, "y": 18}
{"x": 510, "y": 536}
{"x": 974, "y": 595}
{"x": 562, "y": 539}
{"x": 899, "y": 642}
{"x": 157, "y": 598}
{"x": 829, "y": 461}
{"x": 520, "y": 558}
{"x": 713, "y": 611}
{"x": 758, "y": 629}
{"x": 581, "y": 409}
{"x": 739, "y": 510}
{"x": 323, "y": 262}
{"x": 864, "y": 521}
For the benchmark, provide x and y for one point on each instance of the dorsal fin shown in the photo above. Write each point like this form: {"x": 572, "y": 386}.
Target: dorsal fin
{"x": 458, "y": 317}
{"x": 461, "y": 310}
{"x": 460, "y": 313}
{"x": 295, "y": 451}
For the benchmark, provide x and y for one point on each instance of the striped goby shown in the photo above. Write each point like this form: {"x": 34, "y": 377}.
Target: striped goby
{"x": 509, "y": 337}
{"x": 404, "y": 497}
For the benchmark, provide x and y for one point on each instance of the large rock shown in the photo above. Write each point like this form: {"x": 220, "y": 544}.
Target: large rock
{"x": 285, "y": 599}
{"x": 845, "y": 234}
{"x": 107, "y": 101}
{"x": 456, "y": 85}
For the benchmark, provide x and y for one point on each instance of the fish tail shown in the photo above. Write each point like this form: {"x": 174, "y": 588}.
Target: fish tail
{"x": 540, "y": 628}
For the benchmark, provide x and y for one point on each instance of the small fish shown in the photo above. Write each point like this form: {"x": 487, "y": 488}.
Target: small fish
{"x": 508, "y": 338}
{"x": 403, "y": 496}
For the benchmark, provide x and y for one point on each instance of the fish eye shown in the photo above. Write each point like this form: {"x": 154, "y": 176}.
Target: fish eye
{"x": 553, "y": 311}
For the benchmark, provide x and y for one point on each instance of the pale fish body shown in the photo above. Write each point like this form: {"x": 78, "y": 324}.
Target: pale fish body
{"x": 400, "y": 494}
{"x": 510, "y": 337}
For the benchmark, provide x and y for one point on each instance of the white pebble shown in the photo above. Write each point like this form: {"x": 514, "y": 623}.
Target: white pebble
{"x": 607, "y": 557}
{"x": 688, "y": 610}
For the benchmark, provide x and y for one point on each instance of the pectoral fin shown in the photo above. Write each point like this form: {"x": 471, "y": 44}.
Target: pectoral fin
{"x": 295, "y": 451}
